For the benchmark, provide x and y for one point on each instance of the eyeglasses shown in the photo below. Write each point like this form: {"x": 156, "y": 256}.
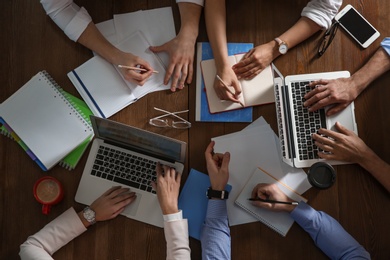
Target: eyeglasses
{"x": 328, "y": 38}
{"x": 159, "y": 122}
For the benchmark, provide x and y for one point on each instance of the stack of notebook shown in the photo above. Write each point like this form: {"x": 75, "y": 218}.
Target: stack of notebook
{"x": 51, "y": 125}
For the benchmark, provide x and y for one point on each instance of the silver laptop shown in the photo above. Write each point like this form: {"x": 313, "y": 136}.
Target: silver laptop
{"x": 296, "y": 124}
{"x": 127, "y": 156}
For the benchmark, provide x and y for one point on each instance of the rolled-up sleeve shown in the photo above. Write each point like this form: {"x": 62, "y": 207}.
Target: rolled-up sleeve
{"x": 72, "y": 19}
{"x": 322, "y": 12}
{"x": 198, "y": 2}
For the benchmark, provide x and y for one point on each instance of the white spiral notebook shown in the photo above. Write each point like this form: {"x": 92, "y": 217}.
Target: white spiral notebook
{"x": 45, "y": 120}
{"x": 281, "y": 222}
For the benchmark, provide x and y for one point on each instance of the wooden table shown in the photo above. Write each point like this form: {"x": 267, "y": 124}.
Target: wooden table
{"x": 32, "y": 42}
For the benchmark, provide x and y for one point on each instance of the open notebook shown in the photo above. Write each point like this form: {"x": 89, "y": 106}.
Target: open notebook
{"x": 257, "y": 91}
{"x": 42, "y": 117}
{"x": 281, "y": 222}
{"x": 103, "y": 87}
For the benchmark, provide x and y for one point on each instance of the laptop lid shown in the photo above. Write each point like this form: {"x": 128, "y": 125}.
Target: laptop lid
{"x": 129, "y": 139}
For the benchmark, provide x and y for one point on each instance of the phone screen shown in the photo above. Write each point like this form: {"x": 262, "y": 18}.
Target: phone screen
{"x": 357, "y": 26}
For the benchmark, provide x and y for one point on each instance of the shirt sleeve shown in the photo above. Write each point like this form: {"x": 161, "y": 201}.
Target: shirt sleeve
{"x": 52, "y": 237}
{"x": 215, "y": 236}
{"x": 176, "y": 236}
{"x": 328, "y": 234}
{"x": 322, "y": 12}
{"x": 386, "y": 45}
{"x": 198, "y": 2}
{"x": 72, "y": 19}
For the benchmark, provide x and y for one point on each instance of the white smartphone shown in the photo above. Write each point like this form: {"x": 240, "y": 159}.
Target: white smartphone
{"x": 357, "y": 26}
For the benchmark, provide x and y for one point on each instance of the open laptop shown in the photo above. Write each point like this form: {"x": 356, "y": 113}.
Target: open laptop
{"x": 127, "y": 156}
{"x": 296, "y": 124}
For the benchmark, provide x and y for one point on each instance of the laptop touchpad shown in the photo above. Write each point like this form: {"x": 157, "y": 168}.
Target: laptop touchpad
{"x": 131, "y": 210}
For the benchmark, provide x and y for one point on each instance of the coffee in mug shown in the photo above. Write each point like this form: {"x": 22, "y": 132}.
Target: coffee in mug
{"x": 48, "y": 191}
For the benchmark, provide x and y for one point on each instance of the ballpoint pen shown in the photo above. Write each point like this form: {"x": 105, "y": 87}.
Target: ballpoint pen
{"x": 134, "y": 68}
{"x": 274, "y": 201}
{"x": 226, "y": 86}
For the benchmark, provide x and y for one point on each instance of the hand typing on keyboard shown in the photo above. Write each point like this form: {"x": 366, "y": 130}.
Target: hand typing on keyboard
{"x": 167, "y": 187}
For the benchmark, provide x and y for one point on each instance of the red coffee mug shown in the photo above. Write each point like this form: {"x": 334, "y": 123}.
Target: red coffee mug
{"x": 48, "y": 191}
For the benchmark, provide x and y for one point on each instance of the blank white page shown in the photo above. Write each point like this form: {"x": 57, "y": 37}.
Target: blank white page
{"x": 44, "y": 120}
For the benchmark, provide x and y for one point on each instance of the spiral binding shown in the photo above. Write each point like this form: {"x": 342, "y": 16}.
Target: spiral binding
{"x": 63, "y": 95}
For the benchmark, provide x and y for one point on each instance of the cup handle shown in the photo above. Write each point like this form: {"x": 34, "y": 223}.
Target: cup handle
{"x": 46, "y": 209}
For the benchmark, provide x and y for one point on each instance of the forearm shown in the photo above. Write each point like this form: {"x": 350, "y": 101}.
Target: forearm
{"x": 378, "y": 64}
{"x": 52, "y": 237}
{"x": 215, "y": 15}
{"x": 328, "y": 234}
{"x": 299, "y": 32}
{"x": 189, "y": 17}
{"x": 95, "y": 41}
{"x": 215, "y": 236}
{"x": 378, "y": 168}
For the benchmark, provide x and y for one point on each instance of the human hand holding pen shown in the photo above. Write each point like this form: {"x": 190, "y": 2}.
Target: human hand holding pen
{"x": 267, "y": 191}
{"x": 221, "y": 86}
{"x": 139, "y": 77}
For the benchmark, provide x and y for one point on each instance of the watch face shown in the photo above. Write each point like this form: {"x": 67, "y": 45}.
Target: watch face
{"x": 283, "y": 48}
{"x": 89, "y": 214}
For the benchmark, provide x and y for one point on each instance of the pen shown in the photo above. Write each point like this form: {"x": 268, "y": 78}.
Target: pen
{"x": 226, "y": 86}
{"x": 274, "y": 201}
{"x": 134, "y": 68}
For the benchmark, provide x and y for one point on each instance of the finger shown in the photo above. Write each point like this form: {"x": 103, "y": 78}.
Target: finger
{"x": 319, "y": 92}
{"x": 176, "y": 77}
{"x": 329, "y": 133}
{"x": 225, "y": 162}
{"x": 184, "y": 72}
{"x": 254, "y": 191}
{"x": 160, "y": 48}
{"x": 335, "y": 109}
{"x": 110, "y": 190}
{"x": 323, "y": 146}
{"x": 168, "y": 74}
{"x": 252, "y": 73}
{"x": 178, "y": 177}
{"x": 117, "y": 192}
{"x": 154, "y": 185}
{"x": 190, "y": 72}
{"x": 327, "y": 156}
{"x": 318, "y": 82}
{"x": 209, "y": 151}
{"x": 325, "y": 101}
{"x": 159, "y": 170}
{"x": 343, "y": 130}
{"x": 322, "y": 139}
{"x": 249, "y": 53}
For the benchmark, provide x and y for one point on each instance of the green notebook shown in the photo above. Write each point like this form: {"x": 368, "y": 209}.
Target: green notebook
{"x": 70, "y": 161}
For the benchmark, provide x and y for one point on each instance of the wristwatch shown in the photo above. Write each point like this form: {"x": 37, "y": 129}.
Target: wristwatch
{"x": 217, "y": 194}
{"x": 283, "y": 48}
{"x": 89, "y": 215}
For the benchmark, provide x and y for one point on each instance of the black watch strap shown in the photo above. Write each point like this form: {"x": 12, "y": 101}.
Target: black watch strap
{"x": 217, "y": 194}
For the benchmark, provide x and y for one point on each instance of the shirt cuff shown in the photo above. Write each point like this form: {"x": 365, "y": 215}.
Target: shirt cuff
{"x": 216, "y": 209}
{"x": 303, "y": 213}
{"x": 386, "y": 45}
{"x": 173, "y": 217}
{"x": 198, "y": 2}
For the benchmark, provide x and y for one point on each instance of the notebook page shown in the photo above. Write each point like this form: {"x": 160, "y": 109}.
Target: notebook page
{"x": 281, "y": 222}
{"x": 209, "y": 73}
{"x": 258, "y": 90}
{"x": 46, "y": 123}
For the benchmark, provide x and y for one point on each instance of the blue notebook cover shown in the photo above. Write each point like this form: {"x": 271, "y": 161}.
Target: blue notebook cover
{"x": 202, "y": 108}
{"x": 193, "y": 201}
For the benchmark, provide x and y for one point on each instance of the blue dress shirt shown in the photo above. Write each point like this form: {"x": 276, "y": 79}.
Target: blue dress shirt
{"x": 386, "y": 45}
{"x": 215, "y": 236}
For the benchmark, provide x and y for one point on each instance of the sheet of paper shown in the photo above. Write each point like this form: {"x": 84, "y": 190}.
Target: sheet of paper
{"x": 157, "y": 24}
{"x": 107, "y": 28}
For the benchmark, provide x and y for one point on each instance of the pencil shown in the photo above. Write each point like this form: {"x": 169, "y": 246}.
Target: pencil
{"x": 226, "y": 86}
{"x": 274, "y": 201}
{"x": 134, "y": 68}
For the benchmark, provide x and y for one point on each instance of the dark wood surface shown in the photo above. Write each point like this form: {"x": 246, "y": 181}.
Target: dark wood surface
{"x": 32, "y": 42}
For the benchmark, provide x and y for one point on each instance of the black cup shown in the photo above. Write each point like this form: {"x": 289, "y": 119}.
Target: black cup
{"x": 321, "y": 175}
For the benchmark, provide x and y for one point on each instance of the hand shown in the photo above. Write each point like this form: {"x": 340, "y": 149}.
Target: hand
{"x": 217, "y": 167}
{"x": 181, "y": 57}
{"x": 343, "y": 146}
{"x": 272, "y": 192}
{"x": 230, "y": 79}
{"x": 111, "y": 203}
{"x": 167, "y": 187}
{"x": 338, "y": 92}
{"x": 131, "y": 60}
{"x": 255, "y": 61}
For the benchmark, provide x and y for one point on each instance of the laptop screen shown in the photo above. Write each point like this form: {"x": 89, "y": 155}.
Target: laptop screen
{"x": 147, "y": 142}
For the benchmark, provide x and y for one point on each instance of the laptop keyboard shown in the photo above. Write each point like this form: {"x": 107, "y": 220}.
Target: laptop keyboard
{"x": 125, "y": 168}
{"x": 280, "y": 123}
{"x": 307, "y": 122}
